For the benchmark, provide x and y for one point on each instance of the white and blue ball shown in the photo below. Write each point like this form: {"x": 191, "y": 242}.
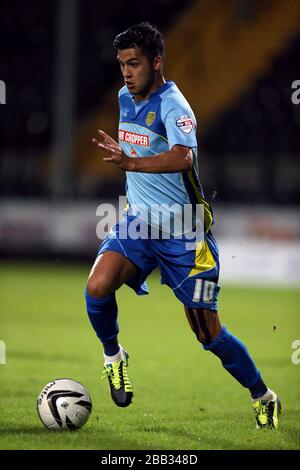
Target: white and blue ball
{"x": 64, "y": 404}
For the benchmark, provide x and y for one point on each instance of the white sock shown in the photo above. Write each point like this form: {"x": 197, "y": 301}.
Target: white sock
{"x": 109, "y": 359}
{"x": 116, "y": 358}
{"x": 123, "y": 352}
{"x": 269, "y": 395}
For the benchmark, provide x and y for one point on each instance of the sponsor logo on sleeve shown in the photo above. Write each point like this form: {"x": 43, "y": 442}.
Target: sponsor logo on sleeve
{"x": 185, "y": 124}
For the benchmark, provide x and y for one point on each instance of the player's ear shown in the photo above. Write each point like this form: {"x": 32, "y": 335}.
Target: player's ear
{"x": 158, "y": 62}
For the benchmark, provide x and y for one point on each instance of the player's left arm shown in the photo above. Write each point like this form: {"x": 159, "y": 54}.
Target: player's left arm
{"x": 178, "y": 158}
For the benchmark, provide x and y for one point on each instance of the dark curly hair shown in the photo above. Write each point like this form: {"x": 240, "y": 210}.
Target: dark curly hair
{"x": 143, "y": 35}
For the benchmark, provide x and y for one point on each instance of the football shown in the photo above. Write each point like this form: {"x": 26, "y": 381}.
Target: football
{"x": 64, "y": 404}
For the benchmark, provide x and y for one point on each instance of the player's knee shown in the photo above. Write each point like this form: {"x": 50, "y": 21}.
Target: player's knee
{"x": 205, "y": 324}
{"x": 201, "y": 337}
{"x": 205, "y": 337}
{"x": 99, "y": 286}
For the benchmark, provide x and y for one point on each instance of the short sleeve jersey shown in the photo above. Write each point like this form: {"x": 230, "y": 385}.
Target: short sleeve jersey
{"x": 148, "y": 128}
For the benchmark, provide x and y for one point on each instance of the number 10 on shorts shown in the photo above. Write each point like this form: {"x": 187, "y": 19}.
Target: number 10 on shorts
{"x": 204, "y": 291}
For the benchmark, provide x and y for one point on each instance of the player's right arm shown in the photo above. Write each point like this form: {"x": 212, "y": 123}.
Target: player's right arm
{"x": 177, "y": 159}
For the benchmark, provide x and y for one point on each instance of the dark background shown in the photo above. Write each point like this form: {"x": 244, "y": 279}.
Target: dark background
{"x": 249, "y": 149}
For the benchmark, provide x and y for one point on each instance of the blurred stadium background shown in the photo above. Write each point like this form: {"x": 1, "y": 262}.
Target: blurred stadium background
{"x": 235, "y": 65}
{"x": 235, "y": 62}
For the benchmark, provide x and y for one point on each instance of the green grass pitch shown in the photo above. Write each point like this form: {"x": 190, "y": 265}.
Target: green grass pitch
{"x": 184, "y": 399}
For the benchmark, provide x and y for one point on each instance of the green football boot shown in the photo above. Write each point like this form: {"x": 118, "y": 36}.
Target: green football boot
{"x": 120, "y": 387}
{"x": 267, "y": 413}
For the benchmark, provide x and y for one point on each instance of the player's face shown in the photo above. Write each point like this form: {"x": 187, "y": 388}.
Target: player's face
{"x": 138, "y": 73}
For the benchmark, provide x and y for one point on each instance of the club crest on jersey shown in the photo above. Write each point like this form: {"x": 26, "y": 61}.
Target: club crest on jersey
{"x": 150, "y": 118}
{"x": 185, "y": 124}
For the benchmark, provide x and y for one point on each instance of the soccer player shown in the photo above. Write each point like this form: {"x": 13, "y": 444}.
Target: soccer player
{"x": 158, "y": 151}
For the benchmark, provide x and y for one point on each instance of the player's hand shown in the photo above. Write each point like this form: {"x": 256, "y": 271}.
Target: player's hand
{"x": 112, "y": 150}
